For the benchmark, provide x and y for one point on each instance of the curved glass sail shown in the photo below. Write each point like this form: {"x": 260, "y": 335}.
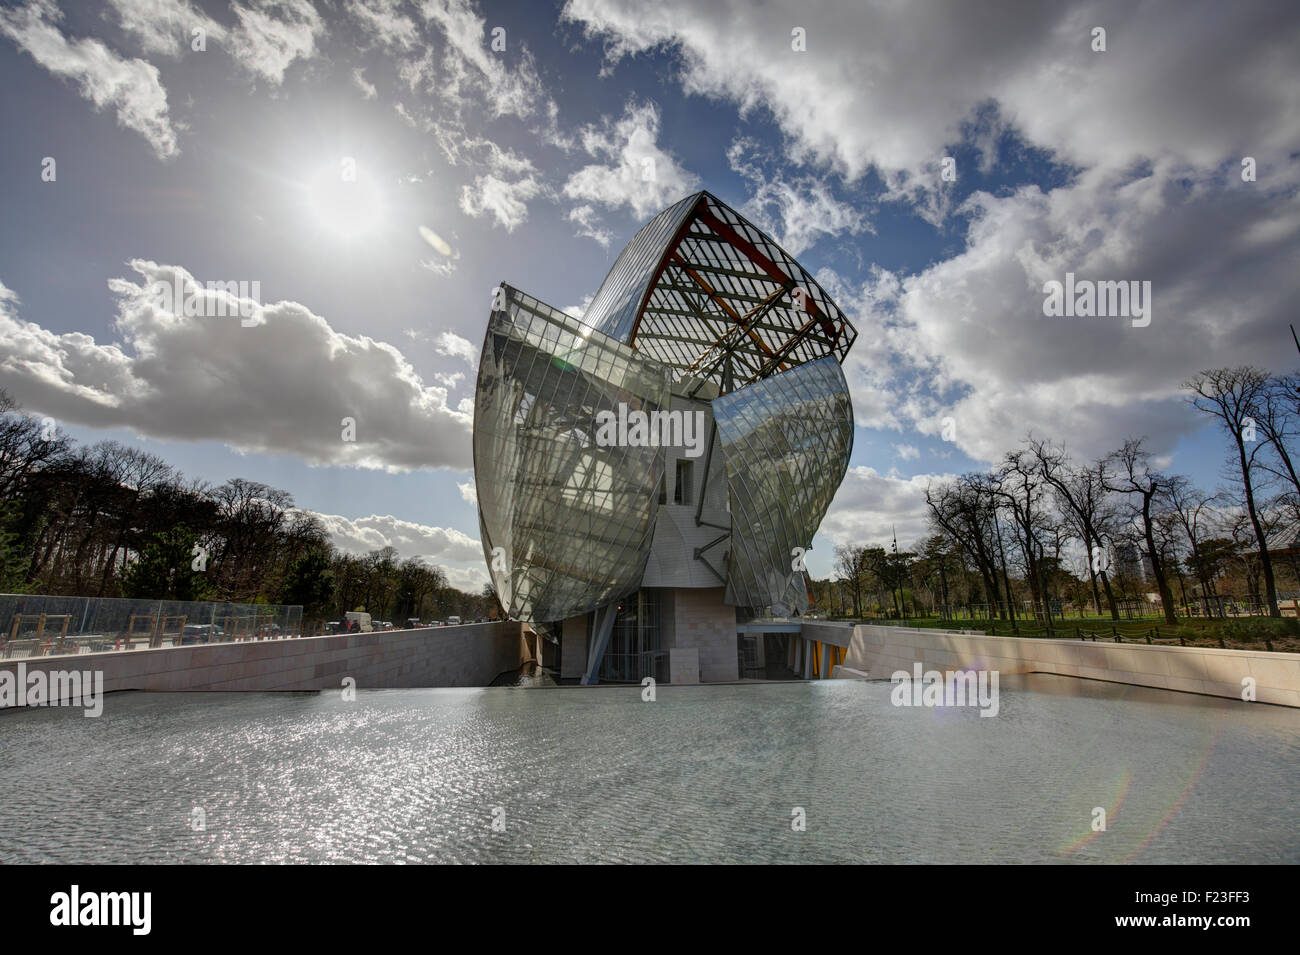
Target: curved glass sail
{"x": 613, "y": 309}
{"x": 785, "y": 442}
{"x": 566, "y": 523}
{"x": 706, "y": 300}
{"x": 702, "y": 289}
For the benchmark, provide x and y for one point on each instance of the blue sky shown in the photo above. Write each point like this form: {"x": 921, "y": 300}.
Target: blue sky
{"x": 526, "y": 161}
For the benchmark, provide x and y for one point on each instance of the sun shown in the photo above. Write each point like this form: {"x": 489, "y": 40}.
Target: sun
{"x": 345, "y": 201}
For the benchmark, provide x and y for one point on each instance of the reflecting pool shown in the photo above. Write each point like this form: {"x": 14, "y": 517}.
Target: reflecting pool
{"x": 708, "y": 774}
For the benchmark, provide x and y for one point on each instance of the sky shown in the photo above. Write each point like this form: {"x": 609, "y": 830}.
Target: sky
{"x": 378, "y": 167}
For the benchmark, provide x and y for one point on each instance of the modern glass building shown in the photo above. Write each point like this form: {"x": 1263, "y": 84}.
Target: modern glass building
{"x": 650, "y": 472}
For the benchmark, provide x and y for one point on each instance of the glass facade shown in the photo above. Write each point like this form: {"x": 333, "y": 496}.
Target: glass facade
{"x": 785, "y": 442}
{"x": 700, "y": 287}
{"x": 613, "y": 309}
{"x": 634, "y": 652}
{"x": 572, "y": 519}
{"x": 701, "y": 301}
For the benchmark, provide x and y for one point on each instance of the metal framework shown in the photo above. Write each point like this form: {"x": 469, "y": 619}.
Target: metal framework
{"x": 703, "y": 304}
{"x": 705, "y": 292}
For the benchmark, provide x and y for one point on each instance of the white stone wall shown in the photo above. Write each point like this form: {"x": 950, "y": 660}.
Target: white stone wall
{"x": 469, "y": 655}
{"x": 880, "y": 651}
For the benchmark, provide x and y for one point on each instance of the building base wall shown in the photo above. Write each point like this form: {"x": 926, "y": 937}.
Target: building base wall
{"x": 573, "y": 647}
{"x": 701, "y": 621}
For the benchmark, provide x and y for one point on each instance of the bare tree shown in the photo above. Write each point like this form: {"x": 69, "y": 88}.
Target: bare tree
{"x": 849, "y": 561}
{"x": 962, "y": 509}
{"x": 1192, "y": 509}
{"x": 1233, "y": 395}
{"x": 1018, "y": 483}
{"x": 1135, "y": 476}
{"x": 1081, "y": 496}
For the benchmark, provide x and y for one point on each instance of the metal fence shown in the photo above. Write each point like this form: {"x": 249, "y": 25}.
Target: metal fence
{"x": 33, "y": 625}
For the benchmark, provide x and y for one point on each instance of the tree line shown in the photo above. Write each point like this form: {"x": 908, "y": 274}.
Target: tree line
{"x": 108, "y": 520}
{"x": 1040, "y": 530}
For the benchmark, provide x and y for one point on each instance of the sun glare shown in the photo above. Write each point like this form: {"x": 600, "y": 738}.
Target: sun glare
{"x": 345, "y": 202}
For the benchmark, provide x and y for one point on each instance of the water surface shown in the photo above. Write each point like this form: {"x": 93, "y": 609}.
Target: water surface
{"x": 709, "y": 774}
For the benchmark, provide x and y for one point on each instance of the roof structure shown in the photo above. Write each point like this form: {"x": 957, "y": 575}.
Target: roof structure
{"x": 703, "y": 290}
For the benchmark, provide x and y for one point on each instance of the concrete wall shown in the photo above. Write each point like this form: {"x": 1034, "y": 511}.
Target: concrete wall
{"x": 469, "y": 655}
{"x": 835, "y": 632}
{"x": 573, "y": 651}
{"x": 699, "y": 619}
{"x": 882, "y": 650}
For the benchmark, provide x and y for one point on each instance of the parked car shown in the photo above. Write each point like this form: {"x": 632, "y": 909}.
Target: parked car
{"x": 201, "y": 633}
{"x": 360, "y": 621}
{"x": 453, "y": 621}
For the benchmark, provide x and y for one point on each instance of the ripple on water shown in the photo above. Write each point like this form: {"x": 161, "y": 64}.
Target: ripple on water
{"x": 702, "y": 774}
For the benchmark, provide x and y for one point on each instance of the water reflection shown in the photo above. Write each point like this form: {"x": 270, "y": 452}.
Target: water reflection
{"x": 702, "y": 774}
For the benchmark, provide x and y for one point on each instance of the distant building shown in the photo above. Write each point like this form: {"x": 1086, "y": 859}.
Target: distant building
{"x": 1128, "y": 561}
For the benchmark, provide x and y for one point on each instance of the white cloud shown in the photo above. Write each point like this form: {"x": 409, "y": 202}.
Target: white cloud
{"x": 889, "y": 84}
{"x": 458, "y": 555}
{"x": 165, "y": 27}
{"x": 585, "y": 218}
{"x": 908, "y": 452}
{"x": 274, "y": 33}
{"x": 1148, "y": 138}
{"x": 869, "y": 507}
{"x": 268, "y": 37}
{"x": 469, "y": 491}
{"x": 797, "y": 212}
{"x": 449, "y": 343}
{"x": 367, "y": 88}
{"x": 386, "y": 23}
{"x": 434, "y": 544}
{"x": 972, "y": 326}
{"x": 506, "y": 202}
{"x": 282, "y": 386}
{"x": 577, "y": 311}
{"x": 638, "y": 174}
{"x": 131, "y": 87}
{"x": 473, "y": 70}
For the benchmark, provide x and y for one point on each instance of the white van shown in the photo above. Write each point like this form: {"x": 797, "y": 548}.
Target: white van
{"x": 453, "y": 621}
{"x": 360, "y": 621}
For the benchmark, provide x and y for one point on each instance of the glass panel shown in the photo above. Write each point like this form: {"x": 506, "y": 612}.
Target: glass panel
{"x": 572, "y": 520}
{"x": 785, "y": 442}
